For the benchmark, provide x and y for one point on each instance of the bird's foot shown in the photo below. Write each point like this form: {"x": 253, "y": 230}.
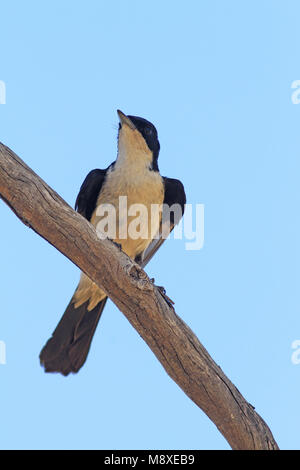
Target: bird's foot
{"x": 162, "y": 292}
{"x": 118, "y": 245}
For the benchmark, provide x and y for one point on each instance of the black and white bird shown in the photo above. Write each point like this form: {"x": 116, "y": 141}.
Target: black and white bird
{"x": 134, "y": 174}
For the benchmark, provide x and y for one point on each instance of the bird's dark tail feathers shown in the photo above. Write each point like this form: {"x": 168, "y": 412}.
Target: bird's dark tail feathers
{"x": 67, "y": 349}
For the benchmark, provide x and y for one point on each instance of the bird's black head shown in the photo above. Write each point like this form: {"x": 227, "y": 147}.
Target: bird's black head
{"x": 147, "y": 130}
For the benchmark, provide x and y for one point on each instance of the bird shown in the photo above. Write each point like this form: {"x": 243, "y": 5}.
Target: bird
{"x": 134, "y": 175}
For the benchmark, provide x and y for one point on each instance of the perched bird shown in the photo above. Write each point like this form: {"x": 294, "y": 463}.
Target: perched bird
{"x": 134, "y": 174}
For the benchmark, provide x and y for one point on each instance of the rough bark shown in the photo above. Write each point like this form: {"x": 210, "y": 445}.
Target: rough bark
{"x": 171, "y": 340}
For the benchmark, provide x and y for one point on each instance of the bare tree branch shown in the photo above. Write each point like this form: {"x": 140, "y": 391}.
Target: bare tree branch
{"x": 170, "y": 339}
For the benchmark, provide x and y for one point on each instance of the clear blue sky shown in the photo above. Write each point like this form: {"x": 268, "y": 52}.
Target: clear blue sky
{"x": 215, "y": 78}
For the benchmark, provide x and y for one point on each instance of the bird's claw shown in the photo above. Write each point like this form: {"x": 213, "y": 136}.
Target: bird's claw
{"x": 169, "y": 301}
{"x": 118, "y": 245}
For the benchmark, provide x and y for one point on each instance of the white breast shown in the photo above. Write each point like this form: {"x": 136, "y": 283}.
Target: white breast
{"x": 143, "y": 191}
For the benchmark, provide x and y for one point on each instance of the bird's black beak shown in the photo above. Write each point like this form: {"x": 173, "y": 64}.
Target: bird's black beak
{"x": 124, "y": 120}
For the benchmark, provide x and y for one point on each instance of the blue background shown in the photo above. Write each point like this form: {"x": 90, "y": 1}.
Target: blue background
{"x": 215, "y": 78}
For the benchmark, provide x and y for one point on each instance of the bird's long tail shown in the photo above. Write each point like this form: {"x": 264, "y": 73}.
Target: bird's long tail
{"x": 67, "y": 349}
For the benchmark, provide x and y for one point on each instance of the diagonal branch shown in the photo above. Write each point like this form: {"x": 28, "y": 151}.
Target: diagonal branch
{"x": 171, "y": 340}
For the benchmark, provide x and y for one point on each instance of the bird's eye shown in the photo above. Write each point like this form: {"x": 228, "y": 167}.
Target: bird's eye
{"x": 148, "y": 130}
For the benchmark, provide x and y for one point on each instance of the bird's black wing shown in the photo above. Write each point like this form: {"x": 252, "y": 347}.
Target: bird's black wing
{"x": 87, "y": 197}
{"x": 174, "y": 194}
